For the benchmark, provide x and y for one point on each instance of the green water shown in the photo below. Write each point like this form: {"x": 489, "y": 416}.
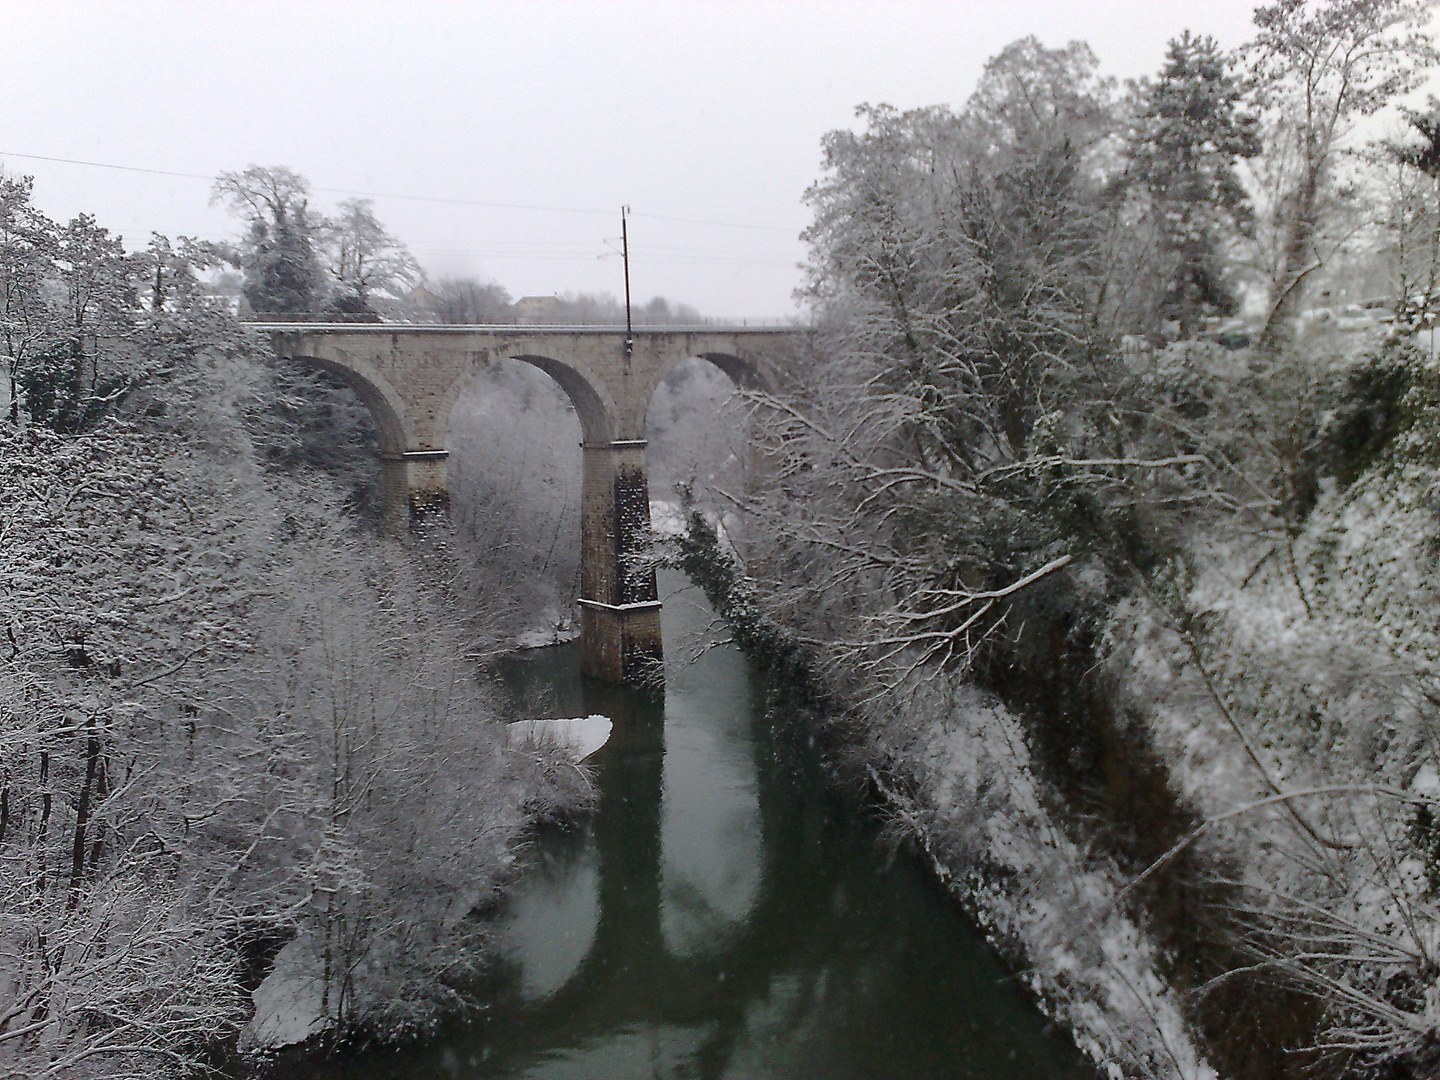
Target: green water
{"x": 723, "y": 916}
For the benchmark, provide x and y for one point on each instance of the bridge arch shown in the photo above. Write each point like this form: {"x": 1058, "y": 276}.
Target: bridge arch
{"x": 596, "y": 414}
{"x": 597, "y": 423}
{"x": 695, "y": 423}
{"x": 743, "y": 371}
{"x": 386, "y": 406}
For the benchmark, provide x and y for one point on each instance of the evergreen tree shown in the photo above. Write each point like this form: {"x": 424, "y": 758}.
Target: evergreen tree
{"x": 1191, "y": 129}
{"x": 1424, "y": 155}
{"x": 27, "y": 257}
{"x": 1413, "y": 216}
{"x": 70, "y": 335}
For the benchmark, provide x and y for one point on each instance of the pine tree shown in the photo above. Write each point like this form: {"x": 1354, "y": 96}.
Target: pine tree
{"x": 1192, "y": 128}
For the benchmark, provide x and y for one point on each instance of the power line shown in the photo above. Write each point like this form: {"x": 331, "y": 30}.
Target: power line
{"x": 505, "y": 249}
{"x": 581, "y": 256}
{"x": 411, "y": 198}
{"x": 104, "y": 165}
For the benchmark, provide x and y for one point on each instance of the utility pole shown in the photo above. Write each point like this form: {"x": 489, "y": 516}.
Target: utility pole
{"x": 625, "y": 257}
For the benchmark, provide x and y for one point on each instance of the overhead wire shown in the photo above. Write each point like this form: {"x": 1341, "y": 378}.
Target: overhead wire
{"x": 412, "y": 198}
{"x": 516, "y": 250}
{"x": 563, "y": 250}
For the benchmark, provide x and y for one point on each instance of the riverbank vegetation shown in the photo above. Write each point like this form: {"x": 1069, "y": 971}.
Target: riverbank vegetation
{"x": 230, "y": 718}
{"x": 1128, "y": 623}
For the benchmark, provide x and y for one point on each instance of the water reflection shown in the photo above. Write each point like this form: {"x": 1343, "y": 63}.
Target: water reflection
{"x": 711, "y": 839}
{"x": 550, "y": 925}
{"x": 724, "y": 918}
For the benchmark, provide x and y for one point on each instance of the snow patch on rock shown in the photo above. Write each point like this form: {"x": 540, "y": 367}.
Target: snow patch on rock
{"x": 552, "y": 628}
{"x": 288, "y": 1004}
{"x": 580, "y": 736}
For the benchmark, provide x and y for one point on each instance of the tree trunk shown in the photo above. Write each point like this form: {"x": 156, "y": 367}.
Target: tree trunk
{"x": 1297, "y": 262}
{"x": 82, "y": 815}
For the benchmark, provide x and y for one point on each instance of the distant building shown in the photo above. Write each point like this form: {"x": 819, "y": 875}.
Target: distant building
{"x": 537, "y": 310}
{"x": 423, "y": 299}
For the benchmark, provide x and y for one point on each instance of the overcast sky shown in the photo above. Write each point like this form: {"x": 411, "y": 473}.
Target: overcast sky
{"x": 709, "y": 111}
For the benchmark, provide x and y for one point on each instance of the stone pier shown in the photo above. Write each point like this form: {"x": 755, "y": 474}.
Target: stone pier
{"x": 619, "y": 606}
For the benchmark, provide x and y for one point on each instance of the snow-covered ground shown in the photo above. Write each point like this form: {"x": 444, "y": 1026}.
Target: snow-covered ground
{"x": 552, "y": 627}
{"x": 978, "y": 804}
{"x": 289, "y": 1003}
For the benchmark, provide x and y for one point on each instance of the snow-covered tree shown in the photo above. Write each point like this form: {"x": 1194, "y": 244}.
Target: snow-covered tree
{"x": 363, "y": 259}
{"x": 1034, "y": 581}
{"x": 1191, "y": 128}
{"x": 466, "y": 301}
{"x": 1321, "y": 67}
{"x": 278, "y": 254}
{"x": 226, "y": 716}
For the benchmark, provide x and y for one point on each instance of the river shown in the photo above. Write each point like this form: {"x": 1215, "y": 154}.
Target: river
{"x": 723, "y": 915}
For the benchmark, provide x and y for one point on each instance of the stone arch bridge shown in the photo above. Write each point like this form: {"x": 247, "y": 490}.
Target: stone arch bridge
{"x": 410, "y": 377}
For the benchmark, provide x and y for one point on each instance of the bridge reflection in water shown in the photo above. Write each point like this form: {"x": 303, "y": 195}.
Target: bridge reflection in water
{"x": 724, "y": 917}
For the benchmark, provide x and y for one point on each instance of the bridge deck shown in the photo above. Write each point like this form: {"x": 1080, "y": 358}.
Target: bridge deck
{"x": 527, "y": 329}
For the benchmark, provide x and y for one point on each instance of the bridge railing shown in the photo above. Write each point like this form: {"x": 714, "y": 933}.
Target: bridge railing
{"x": 273, "y": 319}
